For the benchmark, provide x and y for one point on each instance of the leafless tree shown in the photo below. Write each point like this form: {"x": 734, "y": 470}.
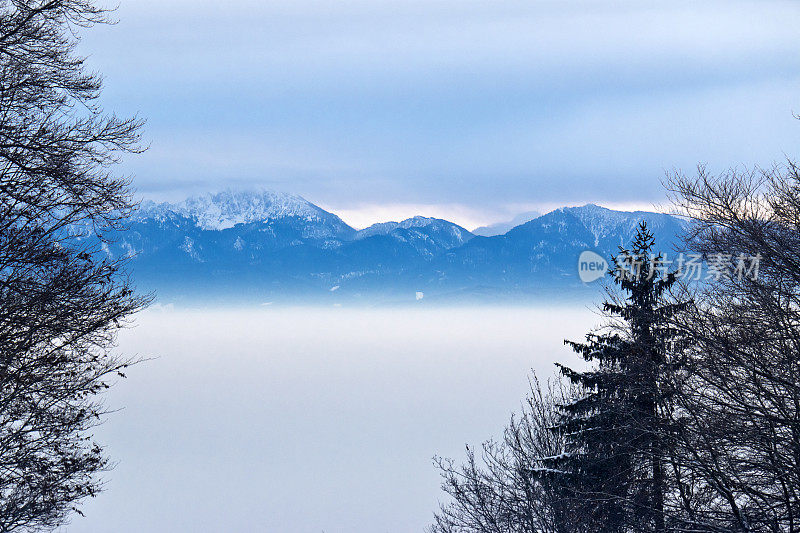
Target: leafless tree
{"x": 61, "y": 298}
{"x": 505, "y": 488}
{"x": 740, "y": 398}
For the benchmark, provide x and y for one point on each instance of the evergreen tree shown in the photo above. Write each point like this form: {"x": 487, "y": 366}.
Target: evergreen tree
{"x": 616, "y": 431}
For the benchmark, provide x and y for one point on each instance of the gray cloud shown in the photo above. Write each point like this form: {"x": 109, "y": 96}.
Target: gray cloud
{"x": 454, "y": 102}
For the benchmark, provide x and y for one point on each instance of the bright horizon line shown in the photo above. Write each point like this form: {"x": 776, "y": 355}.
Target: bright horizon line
{"x": 363, "y": 215}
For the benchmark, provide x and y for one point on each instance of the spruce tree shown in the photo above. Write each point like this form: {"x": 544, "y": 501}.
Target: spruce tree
{"x": 614, "y": 462}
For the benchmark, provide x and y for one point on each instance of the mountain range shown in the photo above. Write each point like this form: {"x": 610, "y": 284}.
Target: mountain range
{"x": 270, "y": 247}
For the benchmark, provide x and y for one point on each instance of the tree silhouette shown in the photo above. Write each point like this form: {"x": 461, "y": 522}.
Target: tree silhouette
{"x": 613, "y": 465}
{"x": 61, "y": 298}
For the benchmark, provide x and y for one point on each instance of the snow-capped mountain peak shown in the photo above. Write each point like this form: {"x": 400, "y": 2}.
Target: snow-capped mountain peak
{"x": 603, "y": 222}
{"x": 225, "y": 209}
{"x": 417, "y": 222}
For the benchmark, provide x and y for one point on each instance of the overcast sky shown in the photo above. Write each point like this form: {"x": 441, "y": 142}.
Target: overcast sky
{"x": 471, "y": 110}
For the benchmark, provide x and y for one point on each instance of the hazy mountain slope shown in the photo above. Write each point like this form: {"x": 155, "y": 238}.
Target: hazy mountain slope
{"x": 501, "y": 228}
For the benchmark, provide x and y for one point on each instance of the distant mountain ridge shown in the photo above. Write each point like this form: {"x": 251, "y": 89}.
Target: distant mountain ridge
{"x": 263, "y": 246}
{"x": 500, "y": 228}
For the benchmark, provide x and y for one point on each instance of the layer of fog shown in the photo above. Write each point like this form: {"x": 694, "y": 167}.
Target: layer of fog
{"x": 309, "y": 420}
